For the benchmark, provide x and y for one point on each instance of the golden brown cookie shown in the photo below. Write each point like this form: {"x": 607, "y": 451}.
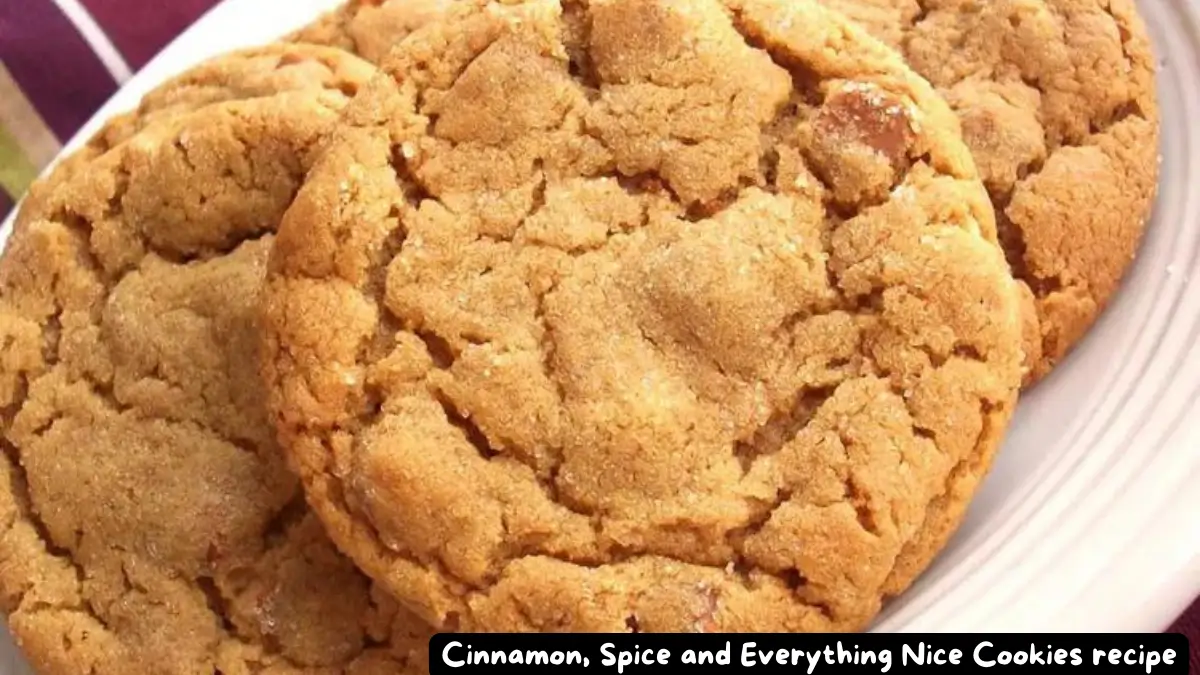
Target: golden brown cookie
{"x": 149, "y": 524}
{"x": 255, "y": 72}
{"x": 1057, "y": 104}
{"x": 370, "y": 28}
{"x": 640, "y": 314}
{"x": 238, "y": 75}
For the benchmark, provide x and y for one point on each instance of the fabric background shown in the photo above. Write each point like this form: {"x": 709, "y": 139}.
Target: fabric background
{"x": 61, "y": 59}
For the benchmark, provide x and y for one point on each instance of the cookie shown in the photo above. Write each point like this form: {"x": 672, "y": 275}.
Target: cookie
{"x": 642, "y": 315}
{"x": 150, "y": 525}
{"x": 238, "y": 75}
{"x": 370, "y": 28}
{"x": 256, "y": 72}
{"x": 1057, "y": 104}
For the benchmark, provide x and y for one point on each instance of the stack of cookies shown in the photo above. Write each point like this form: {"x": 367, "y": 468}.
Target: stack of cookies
{"x": 549, "y": 315}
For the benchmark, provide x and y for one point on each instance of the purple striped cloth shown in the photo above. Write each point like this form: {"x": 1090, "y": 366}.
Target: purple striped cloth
{"x": 61, "y": 59}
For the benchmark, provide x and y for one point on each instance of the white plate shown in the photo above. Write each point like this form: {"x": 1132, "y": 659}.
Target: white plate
{"x": 1090, "y": 520}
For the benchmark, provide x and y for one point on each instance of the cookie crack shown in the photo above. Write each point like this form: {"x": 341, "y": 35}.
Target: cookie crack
{"x": 470, "y": 430}
{"x": 1131, "y": 107}
{"x": 289, "y": 517}
{"x": 804, "y": 79}
{"x": 577, "y": 38}
{"x": 365, "y": 527}
{"x": 976, "y": 459}
{"x": 781, "y": 428}
{"x": 1127, "y": 109}
{"x": 922, "y": 14}
{"x": 18, "y": 487}
{"x": 219, "y": 606}
{"x": 1012, "y": 242}
{"x": 736, "y": 568}
{"x": 1012, "y": 235}
{"x": 549, "y": 350}
{"x": 856, "y": 495}
{"x": 806, "y": 93}
{"x": 736, "y": 537}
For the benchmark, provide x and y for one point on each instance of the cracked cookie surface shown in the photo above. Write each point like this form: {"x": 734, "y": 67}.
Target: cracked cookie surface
{"x": 638, "y": 314}
{"x": 238, "y": 75}
{"x": 148, "y": 524}
{"x": 370, "y": 28}
{"x": 1057, "y": 103}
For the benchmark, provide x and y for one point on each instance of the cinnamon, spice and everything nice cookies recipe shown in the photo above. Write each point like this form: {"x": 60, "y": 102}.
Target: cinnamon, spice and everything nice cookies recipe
{"x": 642, "y": 315}
{"x": 149, "y": 523}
